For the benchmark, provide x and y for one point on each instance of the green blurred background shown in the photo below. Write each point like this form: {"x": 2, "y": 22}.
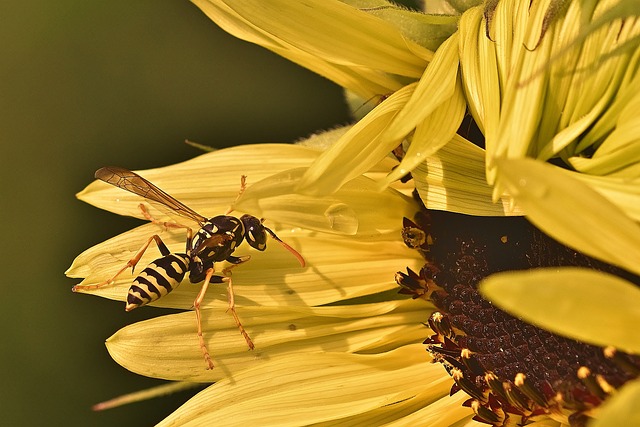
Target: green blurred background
{"x": 85, "y": 84}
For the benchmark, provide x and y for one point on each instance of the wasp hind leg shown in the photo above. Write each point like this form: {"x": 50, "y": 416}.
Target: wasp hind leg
{"x": 232, "y": 309}
{"x": 196, "y": 305}
{"x": 130, "y": 264}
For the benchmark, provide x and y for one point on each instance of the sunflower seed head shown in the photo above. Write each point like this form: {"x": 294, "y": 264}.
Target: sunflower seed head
{"x": 508, "y": 367}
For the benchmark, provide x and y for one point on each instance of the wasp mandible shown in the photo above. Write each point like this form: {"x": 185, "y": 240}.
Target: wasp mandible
{"x": 215, "y": 241}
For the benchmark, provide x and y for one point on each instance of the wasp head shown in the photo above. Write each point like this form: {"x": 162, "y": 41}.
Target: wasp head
{"x": 254, "y": 232}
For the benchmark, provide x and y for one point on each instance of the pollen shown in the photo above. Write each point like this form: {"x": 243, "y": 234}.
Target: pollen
{"x": 513, "y": 372}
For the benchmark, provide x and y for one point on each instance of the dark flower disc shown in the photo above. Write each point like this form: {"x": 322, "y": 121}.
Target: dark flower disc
{"x": 508, "y": 367}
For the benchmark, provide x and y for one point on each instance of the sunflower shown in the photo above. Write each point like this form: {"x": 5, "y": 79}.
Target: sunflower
{"x": 552, "y": 87}
{"x": 339, "y": 315}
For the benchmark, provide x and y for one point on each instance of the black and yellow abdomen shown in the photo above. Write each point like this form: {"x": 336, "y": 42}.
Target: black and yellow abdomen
{"x": 157, "y": 280}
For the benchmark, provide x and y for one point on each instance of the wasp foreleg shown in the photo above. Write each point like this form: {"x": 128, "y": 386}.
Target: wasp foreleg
{"x": 236, "y": 261}
{"x": 243, "y": 186}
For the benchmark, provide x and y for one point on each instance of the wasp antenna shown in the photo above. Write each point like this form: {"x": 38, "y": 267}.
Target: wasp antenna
{"x": 287, "y": 247}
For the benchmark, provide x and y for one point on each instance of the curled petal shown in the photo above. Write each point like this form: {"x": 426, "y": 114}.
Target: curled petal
{"x": 349, "y": 46}
{"x": 453, "y": 179}
{"x": 358, "y": 150}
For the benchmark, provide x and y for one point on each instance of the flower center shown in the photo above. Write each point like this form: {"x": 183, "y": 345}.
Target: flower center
{"x": 508, "y": 367}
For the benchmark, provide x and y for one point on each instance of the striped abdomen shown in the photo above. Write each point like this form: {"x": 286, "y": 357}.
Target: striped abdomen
{"x": 158, "y": 279}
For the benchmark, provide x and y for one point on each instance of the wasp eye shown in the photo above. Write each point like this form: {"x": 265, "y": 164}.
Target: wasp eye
{"x": 254, "y": 232}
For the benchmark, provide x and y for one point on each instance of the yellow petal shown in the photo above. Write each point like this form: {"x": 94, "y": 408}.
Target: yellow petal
{"x": 619, "y": 153}
{"x": 437, "y": 84}
{"x": 209, "y": 183}
{"x": 430, "y": 136}
{"x": 340, "y": 42}
{"x": 577, "y": 303}
{"x": 622, "y": 192}
{"x": 521, "y": 107}
{"x": 361, "y": 147}
{"x": 572, "y": 212}
{"x": 210, "y": 189}
{"x": 337, "y": 268}
{"x": 297, "y": 389}
{"x": 167, "y": 347}
{"x": 453, "y": 179}
{"x": 621, "y": 110}
{"x": 356, "y": 208}
{"x": 621, "y": 409}
{"x": 420, "y": 410}
{"x": 583, "y": 95}
{"x": 445, "y": 412}
{"x": 435, "y": 110}
{"x": 479, "y": 71}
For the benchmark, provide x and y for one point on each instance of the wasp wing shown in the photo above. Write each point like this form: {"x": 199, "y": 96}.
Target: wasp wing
{"x": 134, "y": 183}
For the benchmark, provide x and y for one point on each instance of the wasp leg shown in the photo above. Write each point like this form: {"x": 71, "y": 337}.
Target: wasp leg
{"x": 130, "y": 264}
{"x": 236, "y": 261}
{"x": 232, "y": 310}
{"x": 165, "y": 224}
{"x": 243, "y": 186}
{"x": 196, "y": 305}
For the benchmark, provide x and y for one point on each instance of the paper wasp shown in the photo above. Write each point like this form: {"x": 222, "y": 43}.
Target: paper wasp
{"x": 215, "y": 241}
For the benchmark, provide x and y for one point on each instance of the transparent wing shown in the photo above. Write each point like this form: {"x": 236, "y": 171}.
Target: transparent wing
{"x": 130, "y": 181}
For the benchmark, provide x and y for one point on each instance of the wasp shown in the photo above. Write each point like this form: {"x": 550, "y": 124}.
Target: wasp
{"x": 215, "y": 241}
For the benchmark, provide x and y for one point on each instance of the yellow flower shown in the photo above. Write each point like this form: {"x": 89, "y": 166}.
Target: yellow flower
{"x": 542, "y": 82}
{"x": 334, "y": 344}
{"x": 366, "y": 363}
